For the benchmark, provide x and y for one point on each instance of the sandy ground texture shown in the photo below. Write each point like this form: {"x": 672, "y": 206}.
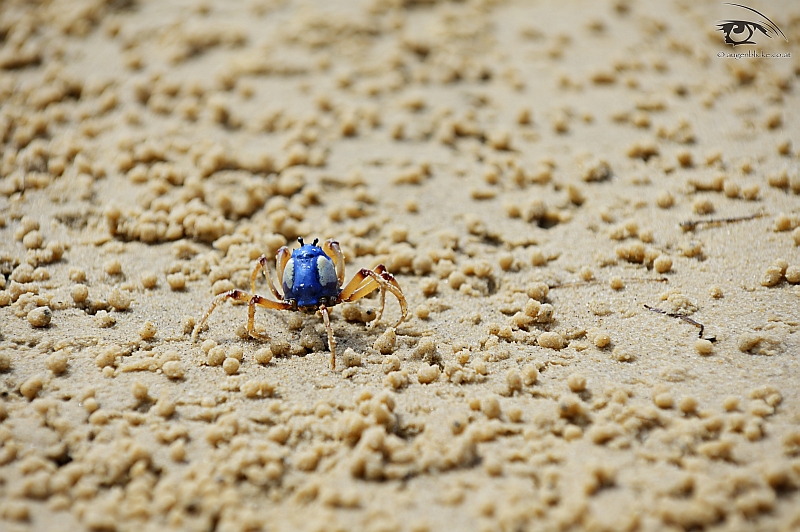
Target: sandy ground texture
{"x": 594, "y": 218}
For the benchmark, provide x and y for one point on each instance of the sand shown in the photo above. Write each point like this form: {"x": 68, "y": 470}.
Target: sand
{"x": 593, "y": 213}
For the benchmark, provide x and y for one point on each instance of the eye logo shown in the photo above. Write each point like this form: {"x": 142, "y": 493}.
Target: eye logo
{"x": 738, "y": 32}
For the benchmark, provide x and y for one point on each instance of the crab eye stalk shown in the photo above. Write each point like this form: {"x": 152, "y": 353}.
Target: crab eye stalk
{"x": 315, "y": 241}
{"x": 300, "y": 239}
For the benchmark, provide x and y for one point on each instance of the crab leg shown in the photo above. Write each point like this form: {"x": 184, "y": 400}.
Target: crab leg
{"x": 251, "y": 312}
{"x": 240, "y": 295}
{"x": 261, "y": 265}
{"x": 331, "y": 339}
{"x": 377, "y": 279}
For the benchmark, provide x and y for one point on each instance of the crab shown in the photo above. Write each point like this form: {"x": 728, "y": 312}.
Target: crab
{"x": 312, "y": 279}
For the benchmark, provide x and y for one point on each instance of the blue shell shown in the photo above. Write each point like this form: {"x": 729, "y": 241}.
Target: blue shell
{"x": 309, "y": 276}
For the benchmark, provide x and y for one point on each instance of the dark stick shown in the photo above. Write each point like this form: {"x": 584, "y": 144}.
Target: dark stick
{"x": 597, "y": 281}
{"x": 684, "y": 318}
{"x": 691, "y": 224}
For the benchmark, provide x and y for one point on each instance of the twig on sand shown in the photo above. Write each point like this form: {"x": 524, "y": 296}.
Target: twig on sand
{"x": 684, "y": 318}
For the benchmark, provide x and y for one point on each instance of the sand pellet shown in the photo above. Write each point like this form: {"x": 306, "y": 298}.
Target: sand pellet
{"x": 279, "y": 346}
{"x": 513, "y": 380}
{"x": 456, "y": 279}
{"x": 57, "y": 362}
{"x": 90, "y": 404}
{"x": 149, "y": 280}
{"x": 430, "y": 287}
{"x": 177, "y": 451}
{"x": 391, "y": 363}
{"x": 77, "y": 275}
{"x": 572, "y": 433}
{"x": 688, "y": 405}
{"x": 552, "y": 340}
{"x": 601, "y": 339}
{"x": 426, "y": 347}
{"x": 490, "y": 406}
{"x": 216, "y": 356}
{"x": 263, "y": 355}
{"x": 147, "y": 331}
{"x": 685, "y": 158}
{"x": 505, "y": 261}
{"x": 107, "y": 356}
{"x": 792, "y": 274}
{"x": 140, "y": 391}
{"x": 40, "y": 317}
{"x": 664, "y": 400}
{"x": 351, "y": 358}
{"x": 15, "y": 510}
{"x": 112, "y": 267}
{"x": 576, "y": 382}
{"x": 396, "y": 379}
{"x": 104, "y": 320}
{"x": 79, "y": 293}
{"x": 538, "y": 258}
{"x": 529, "y": 374}
{"x": 235, "y": 351}
{"x": 778, "y": 179}
{"x": 208, "y": 345}
{"x": 165, "y": 407}
{"x": 662, "y": 264}
{"x": 703, "y": 347}
{"x": 532, "y": 308}
{"x": 751, "y": 192}
{"x": 428, "y": 374}
{"x": 772, "y": 276}
{"x": 257, "y": 388}
{"x": 732, "y": 190}
{"x": 665, "y": 200}
{"x": 31, "y": 387}
{"x": 119, "y": 299}
{"x": 622, "y": 354}
{"x": 231, "y": 366}
{"x": 33, "y": 240}
{"x": 385, "y": 344}
{"x": 173, "y": 369}
{"x": 176, "y": 281}
{"x": 538, "y": 291}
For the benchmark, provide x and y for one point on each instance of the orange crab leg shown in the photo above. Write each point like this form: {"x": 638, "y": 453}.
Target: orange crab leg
{"x": 331, "y": 339}
{"x": 251, "y": 312}
{"x": 240, "y": 295}
{"x": 261, "y": 265}
{"x": 377, "y": 279}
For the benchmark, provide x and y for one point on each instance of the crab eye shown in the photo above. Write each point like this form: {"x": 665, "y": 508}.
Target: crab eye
{"x": 288, "y": 274}
{"x": 326, "y": 271}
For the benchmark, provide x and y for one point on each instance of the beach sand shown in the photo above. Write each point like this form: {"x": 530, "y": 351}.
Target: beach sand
{"x": 592, "y": 209}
